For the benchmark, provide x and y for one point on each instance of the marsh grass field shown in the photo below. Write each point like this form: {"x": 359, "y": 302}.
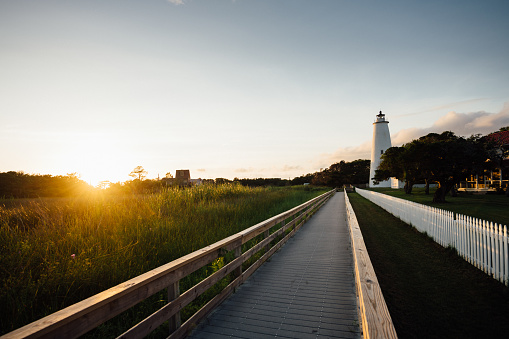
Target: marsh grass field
{"x": 55, "y": 252}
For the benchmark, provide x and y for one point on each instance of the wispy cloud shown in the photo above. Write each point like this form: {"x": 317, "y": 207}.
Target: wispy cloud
{"x": 243, "y": 170}
{"x": 441, "y": 107}
{"x": 176, "y": 2}
{"x": 274, "y": 171}
{"x": 289, "y": 168}
{"x": 362, "y": 151}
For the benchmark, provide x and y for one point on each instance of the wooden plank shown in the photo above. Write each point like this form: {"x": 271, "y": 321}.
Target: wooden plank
{"x": 375, "y": 317}
{"x": 191, "y": 323}
{"x": 259, "y": 228}
{"x": 157, "y": 318}
{"x": 268, "y": 254}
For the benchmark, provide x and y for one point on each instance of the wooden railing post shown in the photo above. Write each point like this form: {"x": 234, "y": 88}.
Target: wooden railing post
{"x": 238, "y": 252}
{"x": 266, "y": 234}
{"x": 174, "y": 293}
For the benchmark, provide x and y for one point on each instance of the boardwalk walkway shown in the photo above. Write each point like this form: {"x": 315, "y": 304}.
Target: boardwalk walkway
{"x": 306, "y": 290}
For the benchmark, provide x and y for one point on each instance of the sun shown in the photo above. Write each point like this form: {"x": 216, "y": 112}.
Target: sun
{"x": 96, "y": 158}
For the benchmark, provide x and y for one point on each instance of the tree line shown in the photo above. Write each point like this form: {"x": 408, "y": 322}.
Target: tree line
{"x": 445, "y": 159}
{"x": 22, "y": 185}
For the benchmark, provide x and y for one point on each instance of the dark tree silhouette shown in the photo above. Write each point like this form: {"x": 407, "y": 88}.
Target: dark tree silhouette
{"x": 138, "y": 173}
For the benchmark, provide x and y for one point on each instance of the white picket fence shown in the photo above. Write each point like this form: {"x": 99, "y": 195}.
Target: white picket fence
{"x": 482, "y": 243}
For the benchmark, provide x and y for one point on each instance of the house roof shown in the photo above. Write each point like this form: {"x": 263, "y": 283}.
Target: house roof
{"x": 501, "y": 137}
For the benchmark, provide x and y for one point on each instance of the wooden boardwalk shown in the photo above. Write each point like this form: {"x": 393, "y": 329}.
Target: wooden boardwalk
{"x": 306, "y": 290}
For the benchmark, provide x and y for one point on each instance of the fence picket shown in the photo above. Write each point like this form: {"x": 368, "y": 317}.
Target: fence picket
{"x": 480, "y": 242}
{"x": 497, "y": 252}
{"x": 506, "y": 257}
{"x": 484, "y": 249}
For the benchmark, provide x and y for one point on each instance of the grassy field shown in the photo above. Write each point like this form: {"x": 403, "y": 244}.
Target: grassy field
{"x": 491, "y": 207}
{"x": 56, "y": 252}
{"x": 429, "y": 290}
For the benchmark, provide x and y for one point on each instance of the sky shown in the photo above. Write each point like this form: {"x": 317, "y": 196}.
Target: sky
{"x": 240, "y": 88}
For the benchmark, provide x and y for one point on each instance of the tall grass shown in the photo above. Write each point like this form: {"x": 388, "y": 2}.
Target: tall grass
{"x": 56, "y": 252}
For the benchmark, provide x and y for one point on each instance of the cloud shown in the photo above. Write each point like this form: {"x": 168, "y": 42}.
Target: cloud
{"x": 271, "y": 172}
{"x": 288, "y": 168}
{"x": 362, "y": 151}
{"x": 463, "y": 124}
{"x": 441, "y": 107}
{"x": 243, "y": 170}
{"x": 176, "y": 2}
{"x": 200, "y": 170}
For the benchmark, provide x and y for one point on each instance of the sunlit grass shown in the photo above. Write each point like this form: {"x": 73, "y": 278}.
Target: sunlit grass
{"x": 55, "y": 252}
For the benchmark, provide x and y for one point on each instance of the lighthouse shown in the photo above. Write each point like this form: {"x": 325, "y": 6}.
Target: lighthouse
{"x": 381, "y": 142}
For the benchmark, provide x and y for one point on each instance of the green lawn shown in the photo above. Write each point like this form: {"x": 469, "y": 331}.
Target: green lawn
{"x": 429, "y": 290}
{"x": 490, "y": 207}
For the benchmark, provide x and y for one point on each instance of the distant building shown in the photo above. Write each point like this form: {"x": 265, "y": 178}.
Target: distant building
{"x": 490, "y": 180}
{"x": 196, "y": 181}
{"x": 182, "y": 178}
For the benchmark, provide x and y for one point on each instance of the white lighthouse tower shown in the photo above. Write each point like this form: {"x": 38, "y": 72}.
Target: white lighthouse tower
{"x": 381, "y": 142}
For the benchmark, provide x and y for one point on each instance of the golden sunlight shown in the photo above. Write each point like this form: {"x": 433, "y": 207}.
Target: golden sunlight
{"x": 96, "y": 158}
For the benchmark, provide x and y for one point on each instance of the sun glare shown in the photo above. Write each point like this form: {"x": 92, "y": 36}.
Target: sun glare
{"x": 97, "y": 158}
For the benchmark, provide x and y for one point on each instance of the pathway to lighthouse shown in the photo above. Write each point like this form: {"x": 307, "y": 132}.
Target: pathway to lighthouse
{"x": 306, "y": 290}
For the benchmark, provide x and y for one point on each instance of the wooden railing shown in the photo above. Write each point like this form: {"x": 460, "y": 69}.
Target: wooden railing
{"x": 375, "y": 318}
{"x": 86, "y": 315}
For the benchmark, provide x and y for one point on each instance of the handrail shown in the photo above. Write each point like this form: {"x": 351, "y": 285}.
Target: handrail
{"x": 84, "y": 316}
{"x": 375, "y": 317}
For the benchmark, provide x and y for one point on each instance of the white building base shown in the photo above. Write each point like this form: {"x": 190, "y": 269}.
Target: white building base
{"x": 395, "y": 183}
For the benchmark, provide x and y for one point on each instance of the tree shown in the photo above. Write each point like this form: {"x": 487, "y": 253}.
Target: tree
{"x": 454, "y": 158}
{"x": 138, "y": 173}
{"x": 409, "y": 163}
{"x": 222, "y": 181}
{"x": 357, "y": 171}
{"x": 497, "y": 146}
{"x": 303, "y": 179}
{"x": 341, "y": 173}
{"x": 443, "y": 158}
{"x": 21, "y": 185}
